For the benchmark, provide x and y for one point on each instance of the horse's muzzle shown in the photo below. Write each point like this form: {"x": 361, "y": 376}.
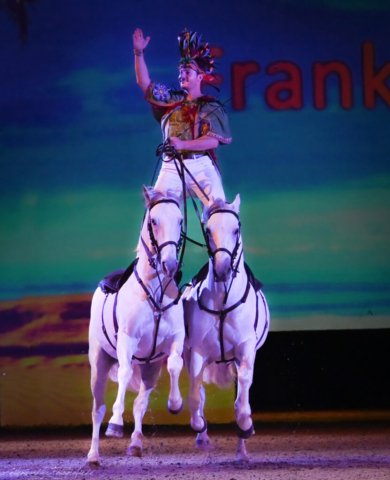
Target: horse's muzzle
{"x": 222, "y": 276}
{"x": 170, "y": 267}
{"x": 222, "y": 267}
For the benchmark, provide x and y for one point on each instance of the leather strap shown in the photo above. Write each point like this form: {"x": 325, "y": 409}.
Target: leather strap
{"x": 222, "y": 315}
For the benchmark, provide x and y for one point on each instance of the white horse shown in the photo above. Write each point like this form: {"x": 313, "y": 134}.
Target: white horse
{"x": 140, "y": 326}
{"x": 227, "y": 320}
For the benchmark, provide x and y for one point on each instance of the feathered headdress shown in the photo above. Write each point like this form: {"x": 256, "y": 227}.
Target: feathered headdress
{"x": 194, "y": 54}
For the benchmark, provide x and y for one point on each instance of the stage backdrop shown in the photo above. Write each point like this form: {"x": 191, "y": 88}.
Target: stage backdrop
{"x": 306, "y": 88}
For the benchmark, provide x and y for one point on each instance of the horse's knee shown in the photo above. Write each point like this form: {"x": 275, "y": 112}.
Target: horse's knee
{"x": 245, "y": 374}
{"x": 175, "y": 363}
{"x": 124, "y": 373}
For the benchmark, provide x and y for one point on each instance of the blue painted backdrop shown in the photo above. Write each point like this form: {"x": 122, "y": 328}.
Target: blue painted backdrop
{"x": 77, "y": 141}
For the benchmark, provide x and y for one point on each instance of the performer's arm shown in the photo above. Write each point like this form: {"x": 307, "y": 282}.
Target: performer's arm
{"x": 141, "y": 70}
{"x": 198, "y": 145}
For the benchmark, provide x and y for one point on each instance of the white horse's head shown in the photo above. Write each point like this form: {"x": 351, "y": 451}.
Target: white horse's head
{"x": 164, "y": 220}
{"x": 223, "y": 233}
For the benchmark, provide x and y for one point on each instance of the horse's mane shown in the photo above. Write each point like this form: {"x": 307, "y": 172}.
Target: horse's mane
{"x": 155, "y": 196}
{"x": 217, "y": 205}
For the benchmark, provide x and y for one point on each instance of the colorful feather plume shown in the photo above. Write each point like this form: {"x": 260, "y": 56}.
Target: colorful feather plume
{"x": 193, "y": 51}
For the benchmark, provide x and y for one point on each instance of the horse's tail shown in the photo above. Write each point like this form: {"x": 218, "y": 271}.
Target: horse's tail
{"x": 135, "y": 381}
{"x": 222, "y": 374}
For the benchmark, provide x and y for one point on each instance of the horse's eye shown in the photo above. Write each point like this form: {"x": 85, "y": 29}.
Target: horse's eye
{"x": 181, "y": 222}
{"x": 236, "y": 231}
{"x": 153, "y": 221}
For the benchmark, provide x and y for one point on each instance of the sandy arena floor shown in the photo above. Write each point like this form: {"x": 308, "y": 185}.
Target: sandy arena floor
{"x": 288, "y": 451}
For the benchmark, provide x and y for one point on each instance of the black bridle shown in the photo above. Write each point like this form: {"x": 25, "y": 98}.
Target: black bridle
{"x": 233, "y": 254}
{"x": 224, "y": 311}
{"x": 156, "y": 304}
{"x": 158, "y": 248}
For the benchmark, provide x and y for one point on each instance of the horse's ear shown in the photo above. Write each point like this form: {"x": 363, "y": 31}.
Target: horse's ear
{"x": 236, "y": 203}
{"x": 146, "y": 194}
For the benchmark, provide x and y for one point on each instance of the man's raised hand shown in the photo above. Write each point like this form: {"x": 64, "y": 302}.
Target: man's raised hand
{"x": 140, "y": 43}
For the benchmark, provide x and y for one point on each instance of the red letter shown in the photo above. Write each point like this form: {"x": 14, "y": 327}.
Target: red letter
{"x": 240, "y": 71}
{"x": 374, "y": 82}
{"x": 292, "y": 86}
{"x": 320, "y": 74}
{"x": 216, "y": 52}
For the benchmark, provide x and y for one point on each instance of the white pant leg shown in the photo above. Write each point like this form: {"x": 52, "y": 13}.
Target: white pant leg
{"x": 208, "y": 178}
{"x": 204, "y": 172}
{"x": 168, "y": 179}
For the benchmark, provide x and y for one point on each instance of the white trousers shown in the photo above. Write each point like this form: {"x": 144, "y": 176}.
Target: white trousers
{"x": 204, "y": 172}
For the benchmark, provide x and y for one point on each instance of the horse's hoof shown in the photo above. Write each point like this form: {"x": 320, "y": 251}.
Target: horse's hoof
{"x": 203, "y": 445}
{"x": 134, "y": 451}
{"x": 176, "y": 412}
{"x": 114, "y": 430}
{"x": 92, "y": 460}
{"x": 242, "y": 456}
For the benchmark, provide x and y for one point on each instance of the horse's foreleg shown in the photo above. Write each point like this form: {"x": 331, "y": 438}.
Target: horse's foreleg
{"x": 175, "y": 365}
{"x": 101, "y": 363}
{"x": 149, "y": 375}
{"x": 194, "y": 400}
{"x": 242, "y": 407}
{"x": 139, "y": 408}
{"x": 125, "y": 371}
{"x": 202, "y": 439}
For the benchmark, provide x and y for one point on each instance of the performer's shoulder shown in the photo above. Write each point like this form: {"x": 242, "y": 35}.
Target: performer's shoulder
{"x": 161, "y": 95}
{"x": 209, "y": 100}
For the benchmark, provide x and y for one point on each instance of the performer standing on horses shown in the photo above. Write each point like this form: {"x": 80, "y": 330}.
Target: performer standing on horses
{"x": 193, "y": 123}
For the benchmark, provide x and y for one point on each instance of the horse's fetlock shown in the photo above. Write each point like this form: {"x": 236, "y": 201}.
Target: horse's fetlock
{"x": 136, "y": 435}
{"x": 244, "y": 422}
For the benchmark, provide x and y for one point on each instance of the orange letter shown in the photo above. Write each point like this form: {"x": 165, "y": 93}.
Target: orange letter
{"x": 292, "y": 87}
{"x": 374, "y": 83}
{"x": 240, "y": 71}
{"x": 321, "y": 72}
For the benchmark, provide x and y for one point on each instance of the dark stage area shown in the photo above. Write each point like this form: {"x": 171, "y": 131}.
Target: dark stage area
{"x": 322, "y": 370}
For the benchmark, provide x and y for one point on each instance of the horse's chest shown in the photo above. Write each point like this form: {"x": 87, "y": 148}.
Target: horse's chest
{"x": 151, "y": 327}
{"x": 229, "y": 331}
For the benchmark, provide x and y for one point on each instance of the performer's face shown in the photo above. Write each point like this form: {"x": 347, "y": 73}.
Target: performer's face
{"x": 189, "y": 78}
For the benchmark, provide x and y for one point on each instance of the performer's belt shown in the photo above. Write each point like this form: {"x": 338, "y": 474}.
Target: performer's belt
{"x": 188, "y": 155}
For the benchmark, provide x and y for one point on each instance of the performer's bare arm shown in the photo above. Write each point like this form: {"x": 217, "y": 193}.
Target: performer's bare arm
{"x": 198, "y": 145}
{"x": 141, "y": 70}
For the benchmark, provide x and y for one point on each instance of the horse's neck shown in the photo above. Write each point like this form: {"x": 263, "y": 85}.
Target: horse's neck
{"x": 237, "y": 289}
